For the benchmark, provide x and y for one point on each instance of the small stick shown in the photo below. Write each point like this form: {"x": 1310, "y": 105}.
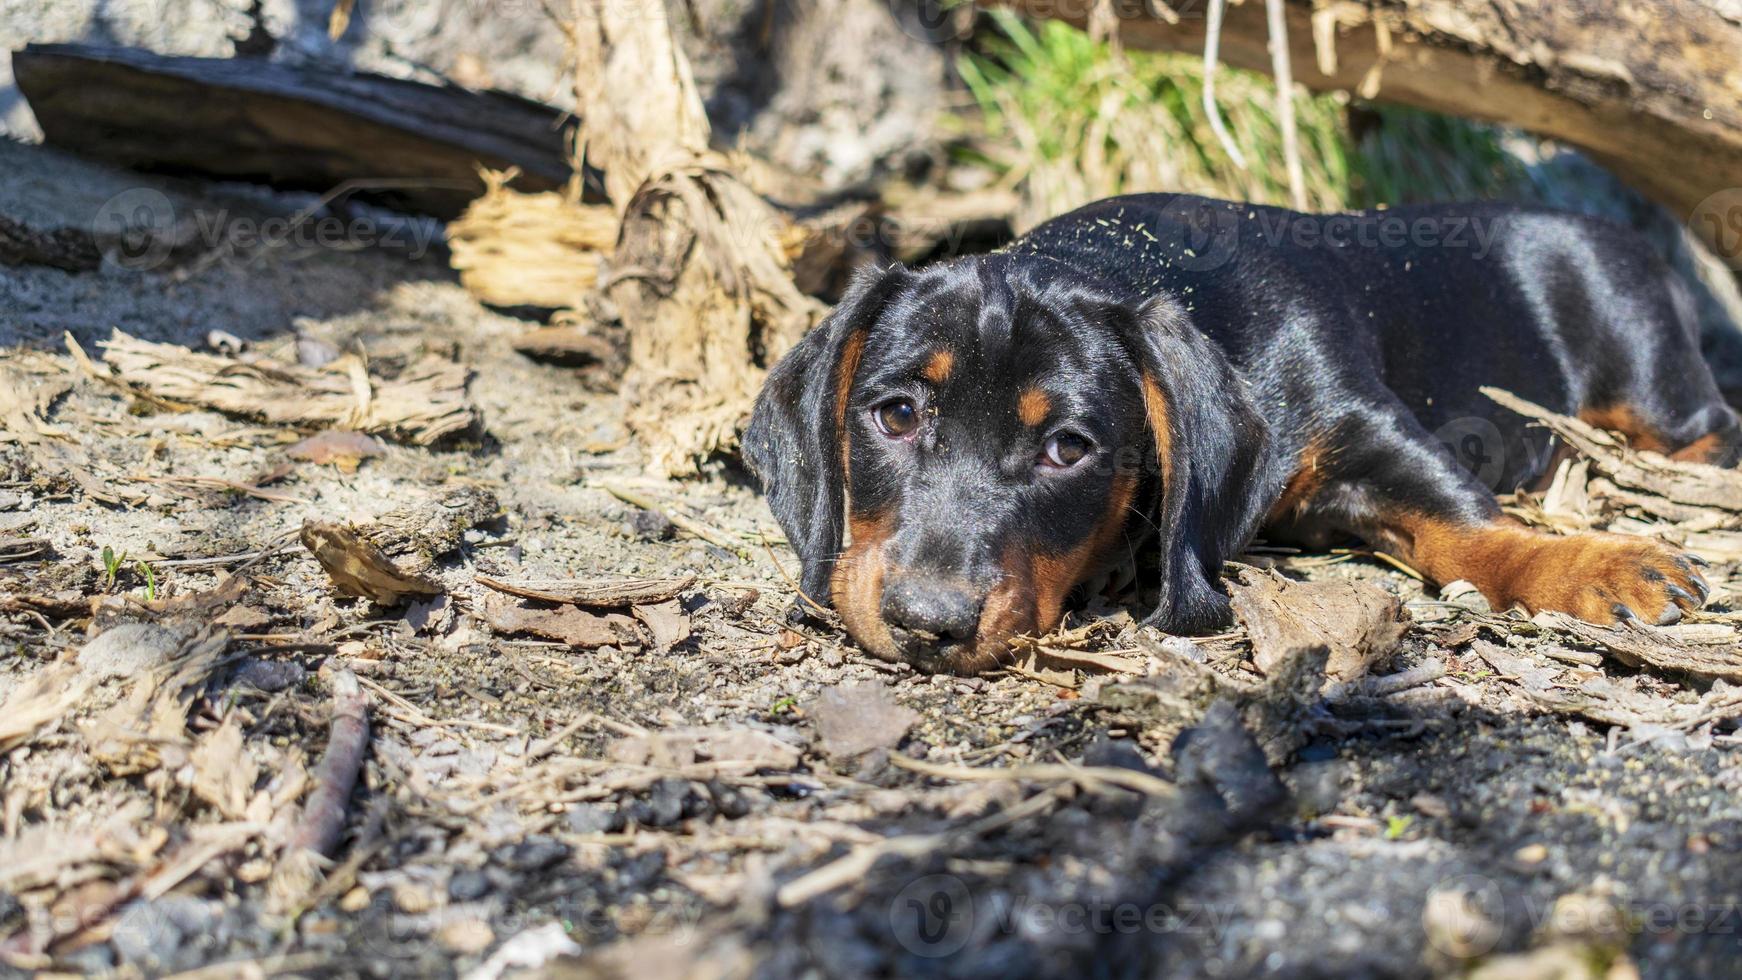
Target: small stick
{"x": 695, "y": 527}
{"x": 1139, "y": 782}
{"x": 854, "y": 865}
{"x": 335, "y": 777}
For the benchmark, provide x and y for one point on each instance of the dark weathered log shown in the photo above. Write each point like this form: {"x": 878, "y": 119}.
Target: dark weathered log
{"x": 1652, "y": 90}
{"x": 411, "y": 146}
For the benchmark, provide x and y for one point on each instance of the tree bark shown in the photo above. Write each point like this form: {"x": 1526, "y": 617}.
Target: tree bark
{"x": 1650, "y": 88}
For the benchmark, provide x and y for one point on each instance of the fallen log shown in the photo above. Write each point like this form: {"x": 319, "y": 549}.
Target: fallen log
{"x": 404, "y": 144}
{"x": 1652, "y": 91}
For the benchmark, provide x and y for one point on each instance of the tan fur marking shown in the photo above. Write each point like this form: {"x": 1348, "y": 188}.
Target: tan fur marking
{"x": 857, "y": 583}
{"x": 1621, "y": 418}
{"x": 845, "y": 370}
{"x": 938, "y": 368}
{"x": 1155, "y": 406}
{"x": 1032, "y": 406}
{"x": 1705, "y": 449}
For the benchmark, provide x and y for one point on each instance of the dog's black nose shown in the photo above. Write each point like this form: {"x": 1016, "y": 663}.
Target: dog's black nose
{"x": 944, "y": 610}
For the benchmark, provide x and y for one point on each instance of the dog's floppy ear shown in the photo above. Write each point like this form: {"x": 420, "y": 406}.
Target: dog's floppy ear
{"x": 1212, "y": 450}
{"x": 795, "y": 443}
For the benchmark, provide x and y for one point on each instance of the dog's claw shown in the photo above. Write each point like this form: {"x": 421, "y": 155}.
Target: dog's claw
{"x": 1695, "y": 560}
{"x": 1679, "y": 594}
{"x": 1623, "y": 613}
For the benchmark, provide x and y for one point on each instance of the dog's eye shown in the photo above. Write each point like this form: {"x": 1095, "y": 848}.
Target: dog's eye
{"x": 1064, "y": 450}
{"x": 896, "y": 418}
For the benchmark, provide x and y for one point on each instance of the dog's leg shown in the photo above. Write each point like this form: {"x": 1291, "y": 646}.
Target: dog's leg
{"x": 1379, "y": 475}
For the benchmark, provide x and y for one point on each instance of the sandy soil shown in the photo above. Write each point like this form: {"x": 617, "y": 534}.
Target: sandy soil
{"x": 521, "y": 797}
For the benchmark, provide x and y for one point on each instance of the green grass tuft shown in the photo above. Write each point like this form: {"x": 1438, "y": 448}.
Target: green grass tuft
{"x": 1070, "y": 119}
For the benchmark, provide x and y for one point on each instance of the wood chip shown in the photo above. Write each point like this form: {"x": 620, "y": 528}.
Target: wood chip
{"x": 594, "y": 593}
{"x": 746, "y": 748}
{"x": 359, "y": 568}
{"x": 564, "y": 624}
{"x": 1360, "y": 623}
{"x": 1694, "y": 484}
{"x": 1659, "y": 648}
{"x": 421, "y": 404}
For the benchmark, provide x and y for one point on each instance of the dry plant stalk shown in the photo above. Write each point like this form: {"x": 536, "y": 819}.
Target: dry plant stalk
{"x": 700, "y": 276}
{"x": 543, "y": 250}
{"x": 424, "y": 403}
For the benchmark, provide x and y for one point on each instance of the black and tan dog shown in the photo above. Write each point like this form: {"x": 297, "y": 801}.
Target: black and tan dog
{"x": 958, "y": 447}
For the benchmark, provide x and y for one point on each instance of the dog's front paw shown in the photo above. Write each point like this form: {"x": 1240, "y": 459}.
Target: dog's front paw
{"x": 1608, "y": 578}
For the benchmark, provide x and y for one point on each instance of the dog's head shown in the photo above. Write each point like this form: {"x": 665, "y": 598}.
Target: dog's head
{"x": 984, "y": 435}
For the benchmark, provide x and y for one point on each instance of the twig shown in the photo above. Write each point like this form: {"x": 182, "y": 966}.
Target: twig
{"x": 1212, "y": 53}
{"x": 1089, "y": 777}
{"x": 1284, "y": 72}
{"x": 695, "y": 527}
{"x": 324, "y": 815}
{"x": 799, "y": 589}
{"x": 854, "y": 865}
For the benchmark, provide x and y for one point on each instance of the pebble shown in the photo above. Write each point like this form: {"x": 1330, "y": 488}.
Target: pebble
{"x": 468, "y": 886}
{"x": 593, "y": 818}
{"x": 12, "y": 501}
{"x": 355, "y": 900}
{"x": 466, "y": 936}
{"x": 532, "y": 854}
{"x": 1531, "y": 855}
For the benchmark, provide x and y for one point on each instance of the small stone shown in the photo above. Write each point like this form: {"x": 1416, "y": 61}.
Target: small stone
{"x": 1531, "y": 855}
{"x": 413, "y": 898}
{"x": 11, "y": 501}
{"x": 667, "y": 800}
{"x": 355, "y": 900}
{"x": 651, "y": 525}
{"x": 270, "y": 676}
{"x": 592, "y": 818}
{"x": 532, "y": 854}
{"x": 466, "y": 936}
{"x": 729, "y": 801}
{"x": 468, "y": 886}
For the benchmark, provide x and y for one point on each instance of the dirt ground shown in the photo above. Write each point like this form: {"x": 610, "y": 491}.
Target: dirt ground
{"x": 719, "y": 786}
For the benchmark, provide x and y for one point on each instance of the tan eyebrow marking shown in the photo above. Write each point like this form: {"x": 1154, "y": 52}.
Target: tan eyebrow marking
{"x": 1032, "y": 406}
{"x": 937, "y": 370}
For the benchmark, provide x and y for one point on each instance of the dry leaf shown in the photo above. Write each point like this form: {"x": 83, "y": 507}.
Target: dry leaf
{"x": 343, "y": 449}
{"x": 224, "y": 772}
{"x": 565, "y": 624}
{"x": 667, "y": 621}
{"x": 359, "y": 568}
{"x": 1360, "y": 623}
{"x": 853, "y": 719}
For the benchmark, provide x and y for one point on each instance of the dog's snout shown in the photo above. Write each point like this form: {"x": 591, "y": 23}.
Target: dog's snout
{"x": 945, "y": 610}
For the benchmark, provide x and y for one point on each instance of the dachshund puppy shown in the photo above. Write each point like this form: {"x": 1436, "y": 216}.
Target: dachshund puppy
{"x": 957, "y": 448}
